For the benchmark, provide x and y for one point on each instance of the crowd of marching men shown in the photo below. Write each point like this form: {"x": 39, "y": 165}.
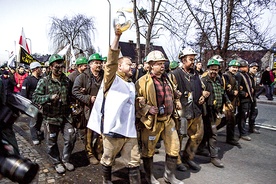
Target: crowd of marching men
{"x": 115, "y": 107}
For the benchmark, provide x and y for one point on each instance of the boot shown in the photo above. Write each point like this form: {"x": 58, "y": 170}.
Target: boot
{"x": 217, "y": 162}
{"x": 170, "y": 167}
{"x": 148, "y": 164}
{"x": 93, "y": 160}
{"x": 179, "y": 165}
{"x": 106, "y": 174}
{"x": 192, "y": 165}
{"x": 134, "y": 175}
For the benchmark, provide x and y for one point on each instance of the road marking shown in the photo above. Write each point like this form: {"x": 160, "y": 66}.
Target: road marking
{"x": 266, "y": 126}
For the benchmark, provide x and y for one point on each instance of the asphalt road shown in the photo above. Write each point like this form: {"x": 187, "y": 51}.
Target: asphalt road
{"x": 254, "y": 163}
{"x": 266, "y": 117}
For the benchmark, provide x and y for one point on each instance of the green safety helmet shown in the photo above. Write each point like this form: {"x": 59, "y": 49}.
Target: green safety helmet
{"x": 173, "y": 65}
{"x": 218, "y": 58}
{"x": 54, "y": 58}
{"x": 234, "y": 63}
{"x": 81, "y": 61}
{"x": 95, "y": 56}
{"x": 213, "y": 62}
{"x": 105, "y": 58}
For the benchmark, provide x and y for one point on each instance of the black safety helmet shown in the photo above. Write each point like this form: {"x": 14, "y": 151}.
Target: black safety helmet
{"x": 243, "y": 62}
{"x": 253, "y": 64}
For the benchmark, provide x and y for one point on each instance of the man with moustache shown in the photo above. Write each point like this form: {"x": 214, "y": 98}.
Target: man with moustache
{"x": 113, "y": 114}
{"x": 156, "y": 116}
{"x": 246, "y": 97}
{"x": 193, "y": 96}
{"x": 85, "y": 89}
{"x": 253, "y": 69}
{"x": 231, "y": 88}
{"x": 214, "y": 103}
{"x": 81, "y": 64}
{"x": 77, "y": 110}
{"x": 53, "y": 93}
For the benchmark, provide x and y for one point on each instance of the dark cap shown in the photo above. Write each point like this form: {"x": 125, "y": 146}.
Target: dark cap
{"x": 6, "y": 72}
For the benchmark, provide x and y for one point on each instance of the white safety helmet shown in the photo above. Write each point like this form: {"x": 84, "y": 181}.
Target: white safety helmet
{"x": 186, "y": 51}
{"x": 155, "y": 55}
{"x": 34, "y": 65}
{"x": 218, "y": 58}
{"x": 46, "y": 64}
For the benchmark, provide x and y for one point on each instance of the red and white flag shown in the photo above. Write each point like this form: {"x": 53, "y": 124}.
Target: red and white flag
{"x": 23, "y": 42}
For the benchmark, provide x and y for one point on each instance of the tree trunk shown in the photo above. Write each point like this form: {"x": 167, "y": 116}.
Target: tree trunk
{"x": 138, "y": 48}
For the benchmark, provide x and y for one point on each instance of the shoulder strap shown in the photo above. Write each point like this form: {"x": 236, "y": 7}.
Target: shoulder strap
{"x": 45, "y": 79}
{"x": 224, "y": 79}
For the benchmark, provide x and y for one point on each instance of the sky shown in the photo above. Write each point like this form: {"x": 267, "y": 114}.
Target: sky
{"x": 34, "y": 17}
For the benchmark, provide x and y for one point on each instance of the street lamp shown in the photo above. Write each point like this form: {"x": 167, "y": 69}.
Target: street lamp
{"x": 109, "y": 20}
{"x": 30, "y": 44}
{"x": 8, "y": 54}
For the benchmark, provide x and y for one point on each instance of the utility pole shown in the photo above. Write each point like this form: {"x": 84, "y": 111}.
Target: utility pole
{"x": 109, "y": 26}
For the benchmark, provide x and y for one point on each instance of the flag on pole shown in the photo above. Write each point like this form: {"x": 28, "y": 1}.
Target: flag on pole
{"x": 11, "y": 61}
{"x": 25, "y": 57}
{"x": 63, "y": 51}
{"x": 23, "y": 42}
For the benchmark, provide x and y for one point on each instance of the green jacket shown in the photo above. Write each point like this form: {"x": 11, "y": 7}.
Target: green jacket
{"x": 54, "y": 112}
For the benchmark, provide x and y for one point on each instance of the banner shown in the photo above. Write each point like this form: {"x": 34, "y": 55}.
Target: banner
{"x": 25, "y": 57}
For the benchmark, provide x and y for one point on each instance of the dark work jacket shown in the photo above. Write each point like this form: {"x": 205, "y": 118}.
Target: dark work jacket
{"x": 2, "y": 93}
{"x": 138, "y": 74}
{"x": 230, "y": 84}
{"x": 28, "y": 87}
{"x": 7, "y": 84}
{"x": 265, "y": 80}
{"x": 87, "y": 81}
{"x": 254, "y": 85}
{"x": 189, "y": 84}
{"x": 245, "y": 86}
{"x": 72, "y": 76}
